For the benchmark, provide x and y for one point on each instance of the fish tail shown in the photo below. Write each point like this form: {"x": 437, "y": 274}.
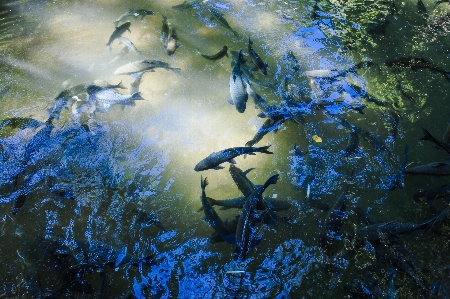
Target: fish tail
{"x": 427, "y": 135}
{"x": 272, "y": 180}
{"x": 176, "y": 70}
{"x": 137, "y": 96}
{"x": 264, "y": 149}
{"x": 120, "y": 85}
{"x": 203, "y": 182}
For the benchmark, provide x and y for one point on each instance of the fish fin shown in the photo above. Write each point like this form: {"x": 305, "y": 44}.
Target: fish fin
{"x": 232, "y": 161}
{"x": 211, "y": 201}
{"x": 264, "y": 150}
{"x": 262, "y": 115}
{"x": 230, "y": 101}
{"x": 137, "y": 96}
{"x": 247, "y": 171}
{"x": 203, "y": 182}
{"x": 427, "y": 135}
{"x": 120, "y": 85}
{"x": 218, "y": 167}
{"x": 250, "y": 153}
{"x": 249, "y": 144}
{"x": 199, "y": 210}
{"x": 129, "y": 30}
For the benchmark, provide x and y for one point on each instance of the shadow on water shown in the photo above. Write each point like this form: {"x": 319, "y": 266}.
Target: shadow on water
{"x": 99, "y": 196}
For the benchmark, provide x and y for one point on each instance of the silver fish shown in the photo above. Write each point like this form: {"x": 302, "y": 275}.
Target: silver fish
{"x": 324, "y": 74}
{"x": 146, "y": 65}
{"x": 129, "y": 44}
{"x": 238, "y": 90}
{"x": 133, "y": 13}
{"x": 109, "y": 97}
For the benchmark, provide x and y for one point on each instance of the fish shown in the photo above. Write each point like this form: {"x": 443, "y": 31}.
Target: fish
{"x": 221, "y": 20}
{"x": 238, "y": 90}
{"x": 134, "y": 13}
{"x": 164, "y": 29}
{"x": 421, "y": 9}
{"x": 246, "y": 232}
{"x": 429, "y": 137}
{"x": 416, "y": 63}
{"x": 222, "y": 53}
{"x": 262, "y": 66}
{"x": 189, "y": 4}
{"x": 118, "y": 33}
{"x": 129, "y": 44}
{"x": 61, "y": 102}
{"x": 212, "y": 218}
{"x": 125, "y": 50}
{"x": 269, "y": 125}
{"x": 214, "y": 160}
{"x": 135, "y": 83}
{"x": 435, "y": 169}
{"x": 399, "y": 179}
{"x": 433, "y": 193}
{"x": 353, "y": 142}
{"x": 333, "y": 222}
{"x": 109, "y": 97}
{"x": 172, "y": 43}
{"x": 387, "y": 230}
{"x": 147, "y": 65}
{"x": 105, "y": 84}
{"x": 324, "y": 74}
{"x": 19, "y": 202}
{"x": 240, "y": 179}
{"x": 394, "y": 120}
{"x": 238, "y": 202}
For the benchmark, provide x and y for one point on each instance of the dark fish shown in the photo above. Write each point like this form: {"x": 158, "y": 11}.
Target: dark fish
{"x": 433, "y": 193}
{"x": 238, "y": 89}
{"x": 399, "y": 179}
{"x": 421, "y": 8}
{"x": 441, "y": 144}
{"x": 435, "y": 169}
{"x": 60, "y": 103}
{"x": 333, "y": 222}
{"x": 118, "y": 33}
{"x": 19, "y": 202}
{"x": 262, "y": 67}
{"x": 384, "y": 231}
{"x": 212, "y": 218}
{"x": 240, "y": 179}
{"x": 416, "y": 63}
{"x": 359, "y": 290}
{"x": 214, "y": 160}
{"x": 146, "y": 65}
{"x": 223, "y": 52}
{"x": 353, "y": 142}
{"x": 268, "y": 126}
{"x": 238, "y": 203}
{"x": 246, "y": 233}
{"x": 221, "y": 20}
{"x": 188, "y": 4}
{"x": 133, "y": 13}
{"x": 168, "y": 36}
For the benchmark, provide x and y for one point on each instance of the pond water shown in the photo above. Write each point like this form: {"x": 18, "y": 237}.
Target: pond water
{"x": 102, "y": 201}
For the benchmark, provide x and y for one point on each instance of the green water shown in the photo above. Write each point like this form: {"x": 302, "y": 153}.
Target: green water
{"x": 144, "y": 156}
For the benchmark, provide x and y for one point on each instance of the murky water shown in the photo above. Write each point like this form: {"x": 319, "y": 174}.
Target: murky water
{"x": 105, "y": 203}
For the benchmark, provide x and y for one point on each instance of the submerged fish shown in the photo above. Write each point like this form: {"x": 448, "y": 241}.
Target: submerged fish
{"x": 399, "y": 179}
{"x": 109, "y": 97}
{"x": 146, "y": 65}
{"x": 172, "y": 43}
{"x": 238, "y": 89}
{"x": 441, "y": 144}
{"x": 212, "y": 218}
{"x": 60, "y": 103}
{"x": 129, "y": 44}
{"x": 353, "y": 142}
{"x": 221, "y": 20}
{"x": 135, "y": 83}
{"x": 268, "y": 126}
{"x": 121, "y": 54}
{"x": 324, "y": 74}
{"x": 106, "y": 84}
{"x": 238, "y": 202}
{"x": 214, "y": 160}
{"x": 189, "y": 4}
{"x": 333, "y": 222}
{"x": 247, "y": 234}
{"x": 435, "y": 168}
{"x": 416, "y": 63}
{"x": 262, "y": 67}
{"x": 134, "y": 13}
{"x": 433, "y": 193}
{"x": 118, "y": 33}
{"x": 223, "y": 52}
